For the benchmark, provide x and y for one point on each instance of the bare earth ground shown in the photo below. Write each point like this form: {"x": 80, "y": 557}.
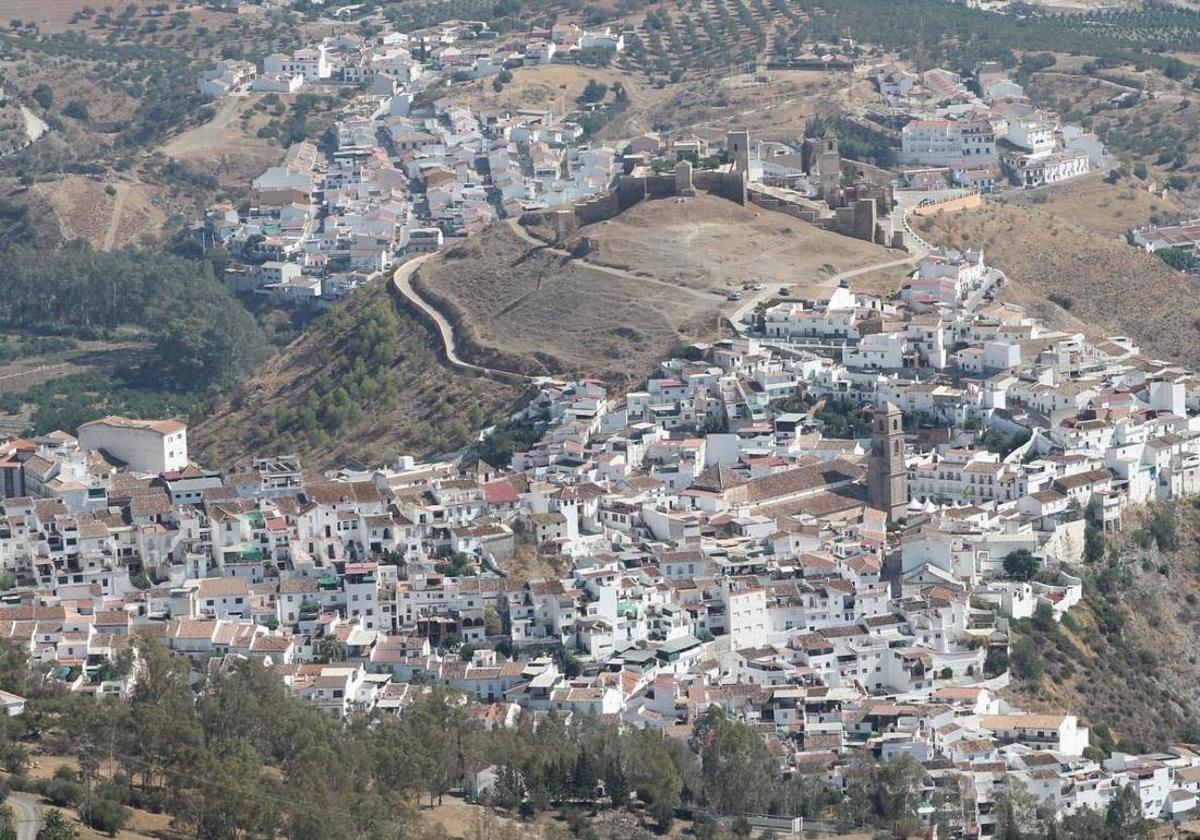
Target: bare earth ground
{"x": 226, "y": 145}
{"x": 558, "y": 315}
{"x": 1108, "y": 209}
{"x": 707, "y": 106}
{"x": 556, "y": 87}
{"x": 1111, "y": 286}
{"x": 710, "y": 243}
{"x": 778, "y": 110}
{"x": 85, "y": 210}
{"x": 670, "y": 264}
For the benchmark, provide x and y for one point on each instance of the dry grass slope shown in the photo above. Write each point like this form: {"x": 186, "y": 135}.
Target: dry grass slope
{"x": 709, "y": 243}
{"x": 1111, "y": 286}
{"x": 520, "y": 307}
{"x": 1138, "y": 677}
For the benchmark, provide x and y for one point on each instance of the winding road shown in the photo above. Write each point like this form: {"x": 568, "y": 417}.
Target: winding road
{"x": 402, "y": 280}
{"x": 27, "y": 814}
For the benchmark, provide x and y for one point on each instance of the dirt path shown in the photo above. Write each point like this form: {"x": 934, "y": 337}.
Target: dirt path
{"x": 114, "y": 221}
{"x": 27, "y": 815}
{"x": 205, "y": 138}
{"x": 516, "y": 228}
{"x": 403, "y": 282}
{"x": 762, "y": 296}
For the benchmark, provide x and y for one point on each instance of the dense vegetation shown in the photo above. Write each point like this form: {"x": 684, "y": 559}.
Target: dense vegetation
{"x": 842, "y": 418}
{"x": 338, "y": 396}
{"x": 204, "y": 338}
{"x": 507, "y": 437}
{"x": 200, "y": 339}
{"x": 70, "y": 401}
{"x": 1129, "y": 644}
{"x": 243, "y": 758}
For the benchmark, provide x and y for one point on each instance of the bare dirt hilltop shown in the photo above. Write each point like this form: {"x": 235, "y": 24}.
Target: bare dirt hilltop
{"x": 621, "y": 294}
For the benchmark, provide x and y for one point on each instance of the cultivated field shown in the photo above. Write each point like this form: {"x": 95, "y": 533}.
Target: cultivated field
{"x": 1107, "y": 285}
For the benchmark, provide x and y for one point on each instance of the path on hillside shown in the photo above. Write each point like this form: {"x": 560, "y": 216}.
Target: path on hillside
{"x": 27, "y": 815}
{"x": 114, "y": 220}
{"x": 762, "y": 296}
{"x": 516, "y": 227}
{"x": 402, "y": 280}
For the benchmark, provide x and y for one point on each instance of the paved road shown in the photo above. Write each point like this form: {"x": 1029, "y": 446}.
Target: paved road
{"x": 27, "y": 814}
{"x": 403, "y": 281}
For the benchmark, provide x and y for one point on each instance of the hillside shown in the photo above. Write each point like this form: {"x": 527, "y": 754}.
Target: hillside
{"x": 364, "y": 382}
{"x": 652, "y": 278}
{"x": 1127, "y": 660}
{"x": 1100, "y": 283}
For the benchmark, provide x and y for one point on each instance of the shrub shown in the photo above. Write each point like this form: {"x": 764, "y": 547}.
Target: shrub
{"x": 106, "y": 815}
{"x": 1027, "y": 660}
{"x": 77, "y": 110}
{"x": 1021, "y": 564}
{"x": 63, "y": 793}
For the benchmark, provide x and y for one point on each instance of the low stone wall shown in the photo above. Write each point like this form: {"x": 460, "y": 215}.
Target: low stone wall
{"x": 966, "y": 202}
{"x": 454, "y": 318}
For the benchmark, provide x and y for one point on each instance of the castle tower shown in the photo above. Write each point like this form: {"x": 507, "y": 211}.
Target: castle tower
{"x": 683, "y": 178}
{"x": 738, "y": 143}
{"x": 829, "y": 165}
{"x": 887, "y": 477}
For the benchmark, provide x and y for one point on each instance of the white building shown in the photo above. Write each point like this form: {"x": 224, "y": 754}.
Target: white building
{"x": 148, "y": 446}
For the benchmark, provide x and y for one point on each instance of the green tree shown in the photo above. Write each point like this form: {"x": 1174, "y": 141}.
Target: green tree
{"x": 737, "y": 770}
{"x": 1021, "y": 564}
{"x": 1026, "y": 660}
{"x": 1093, "y": 544}
{"x": 1016, "y": 811}
{"x": 106, "y": 815}
{"x": 1123, "y": 817}
{"x": 884, "y": 793}
{"x": 593, "y": 91}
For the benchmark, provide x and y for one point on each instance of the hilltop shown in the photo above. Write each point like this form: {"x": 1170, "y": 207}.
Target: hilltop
{"x": 364, "y": 382}
{"x": 650, "y": 279}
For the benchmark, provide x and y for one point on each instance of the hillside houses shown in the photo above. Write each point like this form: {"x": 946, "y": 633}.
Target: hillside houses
{"x": 958, "y": 136}
{"x": 388, "y": 182}
{"x": 710, "y": 547}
